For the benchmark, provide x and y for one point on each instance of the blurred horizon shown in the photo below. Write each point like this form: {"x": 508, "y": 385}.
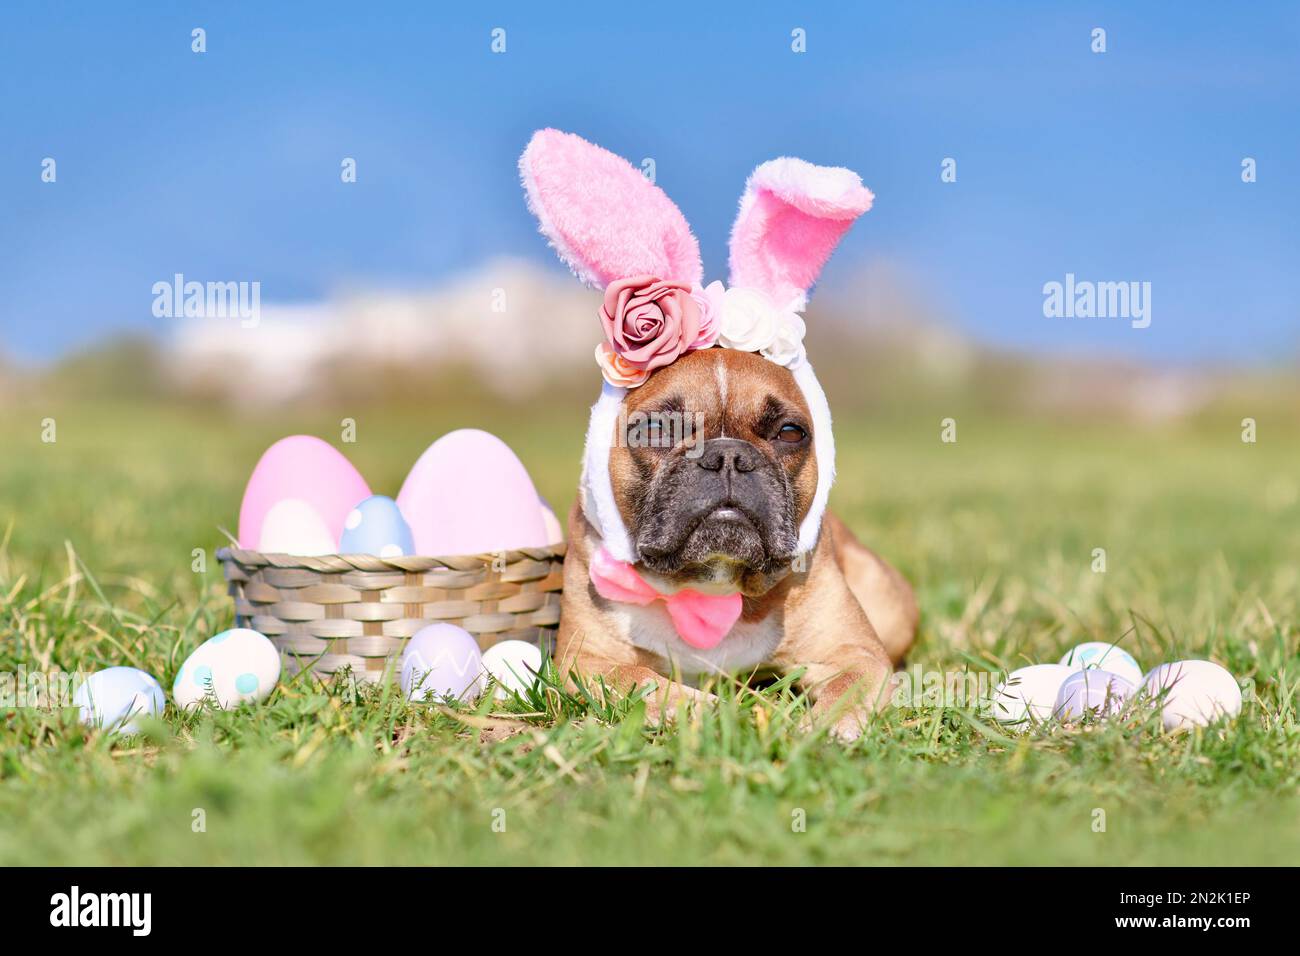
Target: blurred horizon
{"x": 225, "y": 166}
{"x": 880, "y": 351}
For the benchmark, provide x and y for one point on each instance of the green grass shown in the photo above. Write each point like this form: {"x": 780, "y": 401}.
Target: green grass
{"x": 1202, "y": 535}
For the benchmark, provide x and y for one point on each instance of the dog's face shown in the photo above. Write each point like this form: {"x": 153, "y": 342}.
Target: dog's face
{"x": 713, "y": 469}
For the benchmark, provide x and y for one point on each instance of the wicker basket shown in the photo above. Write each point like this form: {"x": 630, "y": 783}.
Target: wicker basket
{"x": 332, "y": 611}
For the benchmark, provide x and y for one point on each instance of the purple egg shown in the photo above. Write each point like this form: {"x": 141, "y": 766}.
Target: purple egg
{"x": 1092, "y": 691}
{"x": 442, "y": 660}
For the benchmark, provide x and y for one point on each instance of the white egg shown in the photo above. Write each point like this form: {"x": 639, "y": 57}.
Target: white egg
{"x": 111, "y": 699}
{"x": 514, "y": 665}
{"x": 1028, "y": 695}
{"x": 292, "y": 526}
{"x": 235, "y": 667}
{"x": 1106, "y": 656}
{"x": 1092, "y": 691}
{"x": 1192, "y": 693}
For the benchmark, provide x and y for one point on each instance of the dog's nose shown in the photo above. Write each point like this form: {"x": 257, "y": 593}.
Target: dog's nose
{"x": 728, "y": 454}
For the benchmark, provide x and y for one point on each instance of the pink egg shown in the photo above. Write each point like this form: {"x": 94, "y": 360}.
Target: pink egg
{"x": 469, "y": 494}
{"x": 554, "y": 530}
{"x": 305, "y": 469}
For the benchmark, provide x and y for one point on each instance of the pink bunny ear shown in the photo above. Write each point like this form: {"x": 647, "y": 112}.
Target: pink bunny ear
{"x": 605, "y": 219}
{"x": 792, "y": 216}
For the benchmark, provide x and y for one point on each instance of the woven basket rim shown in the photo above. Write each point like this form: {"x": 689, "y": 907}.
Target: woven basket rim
{"x": 369, "y": 562}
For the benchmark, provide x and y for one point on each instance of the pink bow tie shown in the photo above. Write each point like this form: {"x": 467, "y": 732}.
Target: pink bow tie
{"x": 701, "y": 620}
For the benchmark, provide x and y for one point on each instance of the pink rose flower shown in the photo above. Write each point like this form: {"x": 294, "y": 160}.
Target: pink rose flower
{"x": 648, "y": 321}
{"x": 617, "y": 370}
{"x": 709, "y": 299}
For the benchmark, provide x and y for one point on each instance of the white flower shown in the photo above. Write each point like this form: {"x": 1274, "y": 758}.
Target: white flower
{"x": 787, "y": 346}
{"x": 749, "y": 321}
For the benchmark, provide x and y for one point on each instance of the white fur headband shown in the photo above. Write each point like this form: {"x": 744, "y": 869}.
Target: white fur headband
{"x": 620, "y": 233}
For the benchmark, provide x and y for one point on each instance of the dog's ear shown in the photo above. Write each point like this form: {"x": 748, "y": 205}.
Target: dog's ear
{"x": 792, "y": 216}
{"x": 603, "y": 217}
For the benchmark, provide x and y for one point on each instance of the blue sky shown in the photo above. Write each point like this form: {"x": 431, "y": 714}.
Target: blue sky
{"x": 225, "y": 165}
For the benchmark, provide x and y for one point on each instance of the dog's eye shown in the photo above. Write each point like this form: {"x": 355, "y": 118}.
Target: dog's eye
{"x": 648, "y": 433}
{"x": 791, "y": 433}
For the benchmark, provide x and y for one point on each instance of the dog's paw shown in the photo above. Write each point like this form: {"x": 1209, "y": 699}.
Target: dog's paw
{"x": 846, "y": 715}
{"x": 848, "y": 728}
{"x": 675, "y": 703}
{"x": 841, "y": 723}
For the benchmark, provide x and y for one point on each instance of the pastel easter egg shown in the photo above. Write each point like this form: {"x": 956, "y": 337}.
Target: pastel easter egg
{"x": 1106, "y": 656}
{"x": 292, "y": 526}
{"x": 305, "y": 469}
{"x": 234, "y": 667}
{"x": 1192, "y": 693}
{"x": 554, "y": 530}
{"x": 442, "y": 660}
{"x": 111, "y": 699}
{"x": 469, "y": 494}
{"x": 376, "y": 526}
{"x": 1092, "y": 691}
{"x": 513, "y": 665}
{"x": 1028, "y": 695}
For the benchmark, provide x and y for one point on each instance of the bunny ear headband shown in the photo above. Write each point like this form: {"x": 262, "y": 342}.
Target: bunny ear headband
{"x": 620, "y": 233}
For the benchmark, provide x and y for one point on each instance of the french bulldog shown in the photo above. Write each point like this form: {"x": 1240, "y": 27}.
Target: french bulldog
{"x": 700, "y": 543}
{"x": 723, "y": 520}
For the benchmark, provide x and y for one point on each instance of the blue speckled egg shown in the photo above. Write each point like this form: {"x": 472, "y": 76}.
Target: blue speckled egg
{"x": 1105, "y": 656}
{"x": 377, "y": 527}
{"x": 231, "y": 668}
{"x": 111, "y": 699}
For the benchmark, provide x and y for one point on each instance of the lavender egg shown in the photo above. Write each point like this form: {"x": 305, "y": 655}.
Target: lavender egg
{"x": 1092, "y": 691}
{"x": 442, "y": 660}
